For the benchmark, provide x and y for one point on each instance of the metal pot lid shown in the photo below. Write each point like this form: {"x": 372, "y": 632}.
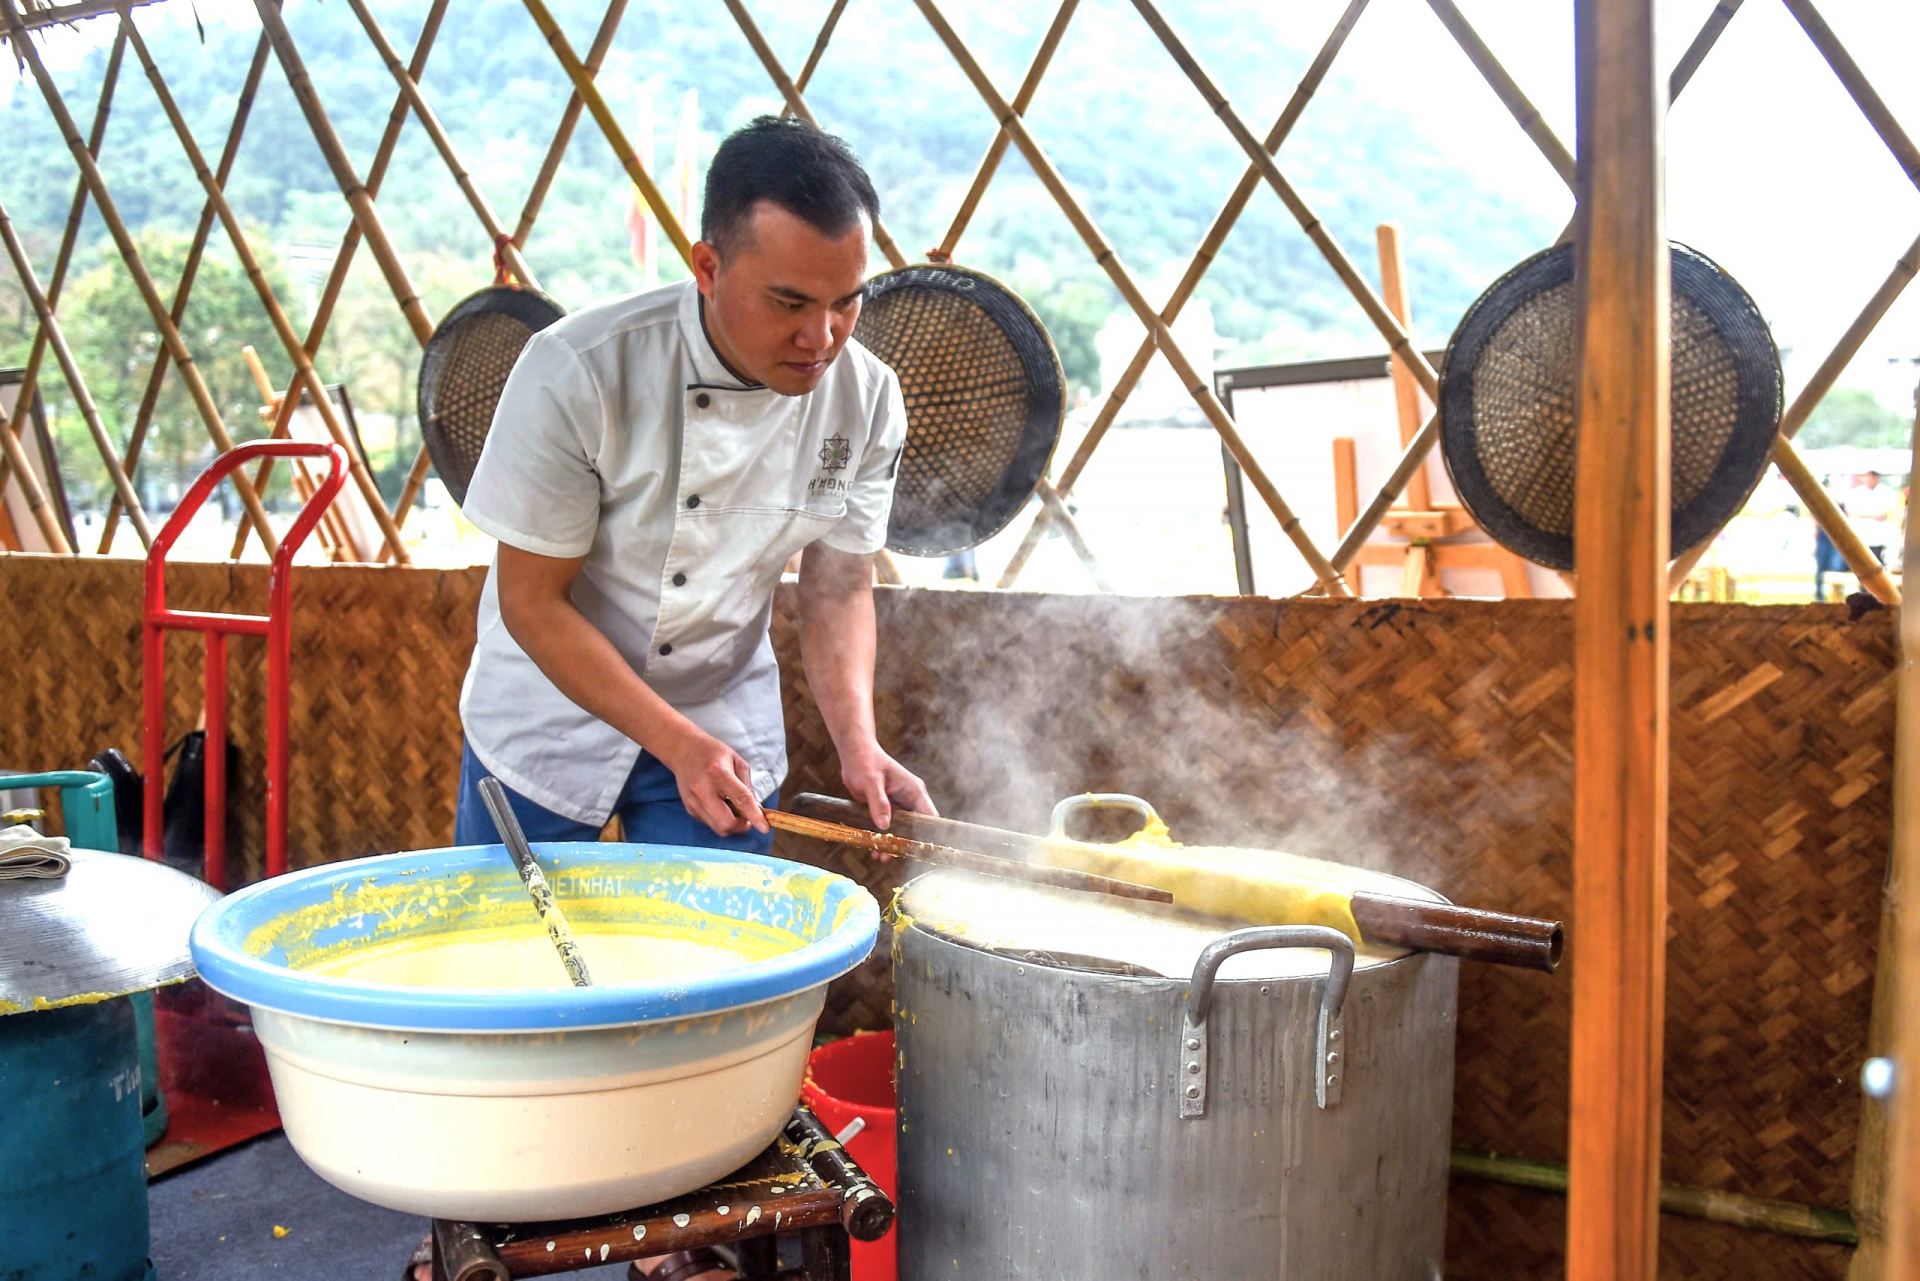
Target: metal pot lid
{"x": 1110, "y": 935}
{"x": 112, "y": 925}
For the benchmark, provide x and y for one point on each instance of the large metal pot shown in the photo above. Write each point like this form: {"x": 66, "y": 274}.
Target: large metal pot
{"x": 1076, "y": 1103}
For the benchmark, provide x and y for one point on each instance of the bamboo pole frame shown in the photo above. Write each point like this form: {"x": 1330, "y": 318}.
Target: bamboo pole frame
{"x": 77, "y": 384}
{"x": 569, "y": 117}
{"x": 616, "y": 137}
{"x": 283, "y": 328}
{"x": 334, "y": 538}
{"x": 136, "y": 267}
{"x": 1525, "y": 114}
{"x": 818, "y": 51}
{"x": 1196, "y": 268}
{"x": 997, "y": 149}
{"x": 1415, "y": 455}
{"x": 1109, "y": 261}
{"x": 798, "y": 105}
{"x": 96, "y": 138}
{"x": 203, "y": 230}
{"x": 503, "y": 244}
{"x": 1857, "y": 86}
{"x": 1622, "y": 517}
{"x": 1399, "y": 344}
{"x": 349, "y": 247}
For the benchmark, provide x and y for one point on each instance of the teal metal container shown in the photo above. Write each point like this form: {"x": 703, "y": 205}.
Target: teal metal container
{"x": 86, "y": 802}
{"x": 73, "y": 1174}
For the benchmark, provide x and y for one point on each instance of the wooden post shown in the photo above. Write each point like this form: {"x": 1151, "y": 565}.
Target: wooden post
{"x": 1902, "y": 1202}
{"x": 50, "y": 326}
{"x": 136, "y": 267}
{"x": 1123, "y": 280}
{"x": 1406, "y": 391}
{"x": 157, "y": 376}
{"x": 1621, "y": 640}
{"x": 303, "y": 365}
{"x": 503, "y": 243}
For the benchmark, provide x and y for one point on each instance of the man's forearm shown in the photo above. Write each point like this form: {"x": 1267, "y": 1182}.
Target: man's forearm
{"x": 837, "y": 648}
{"x": 583, "y": 664}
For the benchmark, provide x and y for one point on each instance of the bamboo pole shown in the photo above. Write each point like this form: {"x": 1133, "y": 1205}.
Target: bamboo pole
{"x": 1697, "y": 51}
{"x": 75, "y": 383}
{"x": 1903, "y": 1126}
{"x": 1857, "y": 86}
{"x": 569, "y": 117}
{"x": 1406, "y": 392}
{"x": 997, "y": 149}
{"x": 1524, "y": 113}
{"x": 1622, "y": 517}
{"x": 1714, "y": 1205}
{"x": 349, "y": 246}
{"x": 156, "y": 377}
{"x": 351, "y": 187}
{"x": 136, "y": 267}
{"x": 30, "y": 380}
{"x": 67, "y": 14}
{"x": 503, "y": 243}
{"x": 1123, "y": 280}
{"x": 1196, "y": 268}
{"x": 1398, "y": 343}
{"x": 1416, "y": 453}
{"x": 819, "y": 49}
{"x": 303, "y": 365}
{"x": 791, "y": 93}
{"x": 616, "y": 138}
{"x": 1820, "y": 384}
{"x": 329, "y": 528}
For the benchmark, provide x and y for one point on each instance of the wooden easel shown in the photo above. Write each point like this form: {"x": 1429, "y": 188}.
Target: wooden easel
{"x": 336, "y": 537}
{"x": 1422, "y": 523}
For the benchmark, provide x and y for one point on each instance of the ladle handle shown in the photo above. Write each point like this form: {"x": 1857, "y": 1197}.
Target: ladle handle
{"x": 551, "y": 916}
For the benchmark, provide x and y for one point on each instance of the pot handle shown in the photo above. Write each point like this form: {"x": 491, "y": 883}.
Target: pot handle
{"x": 1072, "y": 805}
{"x": 1329, "y": 1036}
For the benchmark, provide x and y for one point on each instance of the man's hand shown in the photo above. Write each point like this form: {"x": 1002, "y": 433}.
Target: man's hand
{"x": 880, "y": 782}
{"x": 716, "y": 784}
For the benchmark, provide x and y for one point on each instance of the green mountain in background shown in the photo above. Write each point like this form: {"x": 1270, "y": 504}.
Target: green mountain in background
{"x": 1133, "y": 139}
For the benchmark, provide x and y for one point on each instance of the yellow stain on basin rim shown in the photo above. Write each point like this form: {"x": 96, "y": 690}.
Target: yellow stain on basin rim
{"x": 608, "y": 898}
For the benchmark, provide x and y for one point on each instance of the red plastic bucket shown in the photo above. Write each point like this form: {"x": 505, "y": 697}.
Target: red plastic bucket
{"x": 852, "y": 1080}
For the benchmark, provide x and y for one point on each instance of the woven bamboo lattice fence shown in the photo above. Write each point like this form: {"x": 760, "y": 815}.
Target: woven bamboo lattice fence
{"x": 1431, "y": 738}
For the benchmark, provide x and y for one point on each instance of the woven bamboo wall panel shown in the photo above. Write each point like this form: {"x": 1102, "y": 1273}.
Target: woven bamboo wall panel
{"x": 1432, "y": 739}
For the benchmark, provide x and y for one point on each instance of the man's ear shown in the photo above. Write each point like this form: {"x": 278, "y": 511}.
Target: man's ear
{"x": 705, "y": 261}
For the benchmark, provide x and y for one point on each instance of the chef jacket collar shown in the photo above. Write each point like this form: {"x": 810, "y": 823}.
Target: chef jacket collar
{"x": 709, "y": 369}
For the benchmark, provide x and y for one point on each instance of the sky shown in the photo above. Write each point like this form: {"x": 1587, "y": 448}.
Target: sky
{"x": 1772, "y": 171}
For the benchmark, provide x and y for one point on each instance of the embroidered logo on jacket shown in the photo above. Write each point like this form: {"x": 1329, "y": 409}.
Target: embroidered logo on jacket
{"x": 835, "y": 453}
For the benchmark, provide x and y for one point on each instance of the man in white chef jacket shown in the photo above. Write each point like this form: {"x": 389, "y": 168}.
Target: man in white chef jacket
{"x": 653, "y": 465}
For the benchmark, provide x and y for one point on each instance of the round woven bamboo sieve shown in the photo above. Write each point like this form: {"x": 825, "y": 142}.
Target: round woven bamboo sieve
{"x": 1508, "y": 389}
{"x": 985, "y": 397}
{"x": 465, "y": 366}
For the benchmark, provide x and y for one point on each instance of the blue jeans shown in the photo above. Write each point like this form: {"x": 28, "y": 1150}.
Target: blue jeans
{"x": 649, "y": 808}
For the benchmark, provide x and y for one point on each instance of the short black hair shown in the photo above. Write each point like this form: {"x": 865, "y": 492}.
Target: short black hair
{"x": 809, "y": 173}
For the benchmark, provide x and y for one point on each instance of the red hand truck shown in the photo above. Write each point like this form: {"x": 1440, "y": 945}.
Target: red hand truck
{"x": 275, "y": 625}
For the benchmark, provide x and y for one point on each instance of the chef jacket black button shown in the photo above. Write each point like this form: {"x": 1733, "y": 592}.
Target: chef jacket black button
{"x": 679, "y": 580}
{"x": 693, "y": 500}
{"x": 666, "y": 649}
{"x": 703, "y": 400}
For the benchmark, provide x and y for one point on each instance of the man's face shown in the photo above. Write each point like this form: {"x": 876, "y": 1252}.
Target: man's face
{"x": 782, "y": 303}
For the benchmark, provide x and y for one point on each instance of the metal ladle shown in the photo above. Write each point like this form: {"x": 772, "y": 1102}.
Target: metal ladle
{"x": 537, "y": 888}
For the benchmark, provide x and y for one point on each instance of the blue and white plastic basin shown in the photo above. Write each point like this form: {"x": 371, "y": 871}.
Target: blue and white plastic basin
{"x": 425, "y": 1059}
